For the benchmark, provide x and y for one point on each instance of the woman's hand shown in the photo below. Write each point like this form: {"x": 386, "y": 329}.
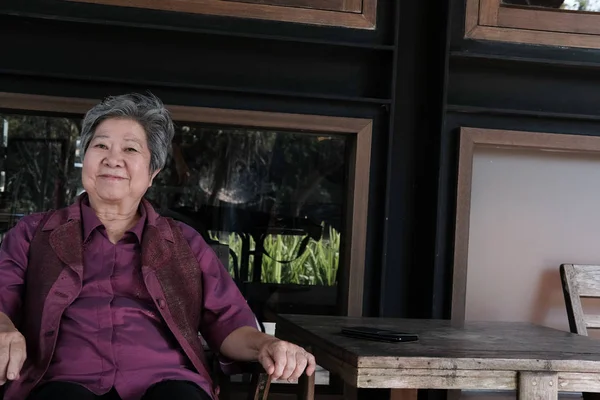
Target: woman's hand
{"x": 12, "y": 353}
{"x": 281, "y": 359}
{"x": 284, "y": 360}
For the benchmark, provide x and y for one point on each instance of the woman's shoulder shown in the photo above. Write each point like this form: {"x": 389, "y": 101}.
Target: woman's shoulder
{"x": 207, "y": 257}
{"x": 35, "y": 218}
{"x": 193, "y": 237}
{"x": 27, "y": 226}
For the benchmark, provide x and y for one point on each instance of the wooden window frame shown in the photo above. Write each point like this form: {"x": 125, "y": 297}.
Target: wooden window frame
{"x": 492, "y": 20}
{"x": 361, "y": 14}
{"x": 332, "y": 5}
{"x": 470, "y": 140}
{"x": 357, "y": 201}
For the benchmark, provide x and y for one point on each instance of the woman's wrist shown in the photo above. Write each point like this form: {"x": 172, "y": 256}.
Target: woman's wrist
{"x": 261, "y": 339}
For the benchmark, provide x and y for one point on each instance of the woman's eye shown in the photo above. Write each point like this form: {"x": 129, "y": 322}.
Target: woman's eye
{"x": 129, "y": 149}
{"x": 101, "y": 146}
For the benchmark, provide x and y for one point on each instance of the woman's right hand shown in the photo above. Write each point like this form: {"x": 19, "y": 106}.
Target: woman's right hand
{"x": 12, "y": 353}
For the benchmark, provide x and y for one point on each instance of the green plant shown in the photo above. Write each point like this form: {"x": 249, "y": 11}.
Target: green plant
{"x": 317, "y": 265}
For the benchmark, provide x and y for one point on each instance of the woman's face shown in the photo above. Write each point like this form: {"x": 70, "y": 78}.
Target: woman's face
{"x": 116, "y": 165}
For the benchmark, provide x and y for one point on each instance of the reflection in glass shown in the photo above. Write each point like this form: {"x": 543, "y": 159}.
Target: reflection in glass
{"x": 35, "y": 165}
{"x": 575, "y": 5}
{"x": 272, "y": 202}
{"x": 275, "y": 198}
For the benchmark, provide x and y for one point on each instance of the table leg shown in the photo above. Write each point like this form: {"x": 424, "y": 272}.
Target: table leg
{"x": 403, "y": 394}
{"x": 306, "y": 387}
{"x": 538, "y": 386}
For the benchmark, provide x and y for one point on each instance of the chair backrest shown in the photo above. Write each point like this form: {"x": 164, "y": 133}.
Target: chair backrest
{"x": 580, "y": 281}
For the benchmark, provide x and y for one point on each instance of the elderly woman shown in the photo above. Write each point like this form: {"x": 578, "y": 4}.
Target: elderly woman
{"x": 104, "y": 299}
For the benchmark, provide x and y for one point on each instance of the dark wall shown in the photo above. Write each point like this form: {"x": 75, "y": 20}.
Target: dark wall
{"x": 394, "y": 75}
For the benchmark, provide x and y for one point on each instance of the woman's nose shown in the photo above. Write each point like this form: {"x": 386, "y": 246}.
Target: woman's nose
{"x": 113, "y": 159}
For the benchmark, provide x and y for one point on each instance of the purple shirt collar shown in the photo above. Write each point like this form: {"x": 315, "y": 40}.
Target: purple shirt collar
{"x": 73, "y": 213}
{"x": 90, "y": 221}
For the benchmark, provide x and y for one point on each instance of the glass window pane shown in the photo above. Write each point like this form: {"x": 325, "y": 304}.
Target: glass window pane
{"x": 39, "y": 168}
{"x": 274, "y": 198}
{"x": 574, "y": 5}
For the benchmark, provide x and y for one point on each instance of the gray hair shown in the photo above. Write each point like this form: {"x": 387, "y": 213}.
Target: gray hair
{"x": 148, "y": 111}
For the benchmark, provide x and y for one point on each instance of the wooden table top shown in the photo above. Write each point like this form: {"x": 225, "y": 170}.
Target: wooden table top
{"x": 477, "y": 345}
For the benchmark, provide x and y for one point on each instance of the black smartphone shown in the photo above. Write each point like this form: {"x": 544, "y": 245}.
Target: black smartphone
{"x": 384, "y": 335}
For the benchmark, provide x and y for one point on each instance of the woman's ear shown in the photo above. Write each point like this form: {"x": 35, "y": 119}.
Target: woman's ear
{"x": 153, "y": 176}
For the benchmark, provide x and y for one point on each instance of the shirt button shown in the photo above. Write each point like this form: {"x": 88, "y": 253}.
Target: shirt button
{"x": 161, "y": 303}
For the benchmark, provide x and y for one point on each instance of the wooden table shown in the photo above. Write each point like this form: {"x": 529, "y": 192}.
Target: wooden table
{"x": 536, "y": 361}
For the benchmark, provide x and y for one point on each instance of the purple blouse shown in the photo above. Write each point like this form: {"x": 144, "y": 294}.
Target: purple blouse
{"x": 112, "y": 335}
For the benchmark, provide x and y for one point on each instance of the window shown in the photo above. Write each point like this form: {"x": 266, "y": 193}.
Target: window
{"x": 275, "y": 198}
{"x": 346, "y": 13}
{"x": 573, "y": 23}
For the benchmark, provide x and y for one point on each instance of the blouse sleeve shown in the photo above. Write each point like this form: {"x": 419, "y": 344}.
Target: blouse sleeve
{"x": 224, "y": 307}
{"x": 14, "y": 257}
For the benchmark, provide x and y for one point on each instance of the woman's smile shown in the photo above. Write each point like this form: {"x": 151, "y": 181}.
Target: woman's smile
{"x": 111, "y": 177}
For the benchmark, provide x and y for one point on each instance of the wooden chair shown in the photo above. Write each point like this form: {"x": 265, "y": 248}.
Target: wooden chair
{"x": 581, "y": 281}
